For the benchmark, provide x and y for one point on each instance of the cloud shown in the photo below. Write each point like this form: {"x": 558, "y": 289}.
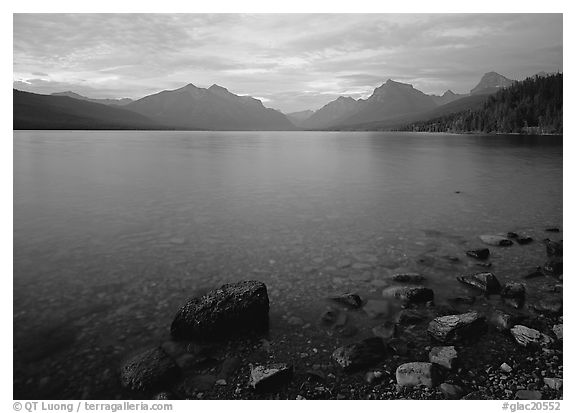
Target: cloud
{"x": 292, "y": 61}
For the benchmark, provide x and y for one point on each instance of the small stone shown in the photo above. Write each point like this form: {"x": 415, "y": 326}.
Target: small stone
{"x": 534, "y": 274}
{"x": 529, "y": 337}
{"x": 348, "y": 300}
{"x": 445, "y": 356}
{"x": 163, "y": 396}
{"x": 528, "y": 395}
{"x": 505, "y": 368}
{"x": 479, "y": 254}
{"x": 410, "y": 295}
{"x": 495, "y": 240}
{"x": 462, "y": 300}
{"x": 558, "y": 331}
{"x": 270, "y": 377}
{"x": 408, "y": 277}
{"x": 524, "y": 240}
{"x": 221, "y": 382}
{"x": 451, "y": 391}
{"x": 455, "y": 327}
{"x": 416, "y": 374}
{"x": 553, "y": 382}
{"x": 483, "y": 281}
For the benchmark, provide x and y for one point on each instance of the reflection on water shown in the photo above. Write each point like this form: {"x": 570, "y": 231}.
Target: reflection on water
{"x": 113, "y": 230}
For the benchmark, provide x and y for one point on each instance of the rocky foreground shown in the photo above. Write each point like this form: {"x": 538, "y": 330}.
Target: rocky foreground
{"x": 219, "y": 347}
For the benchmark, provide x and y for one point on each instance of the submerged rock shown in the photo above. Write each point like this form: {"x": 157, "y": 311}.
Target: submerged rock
{"x": 553, "y": 248}
{"x": 409, "y": 277}
{"x": 483, "y": 281}
{"x": 502, "y": 321}
{"x": 554, "y": 267}
{"x": 480, "y": 254}
{"x": 553, "y": 229}
{"x": 534, "y": 274}
{"x": 462, "y": 300}
{"x": 524, "y": 240}
{"x": 452, "y": 328}
{"x": 410, "y": 317}
{"x": 385, "y": 330}
{"x": 364, "y": 353}
{"x": 496, "y": 240}
{"x": 528, "y": 337}
{"x": 228, "y": 311}
{"x": 445, "y": 356}
{"x": 377, "y": 308}
{"x": 148, "y": 370}
{"x": 410, "y": 295}
{"x": 417, "y": 374}
{"x": 514, "y": 294}
{"x": 549, "y": 306}
{"x": 348, "y": 299}
{"x": 270, "y": 377}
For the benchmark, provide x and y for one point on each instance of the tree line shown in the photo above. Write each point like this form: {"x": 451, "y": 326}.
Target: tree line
{"x": 531, "y": 106}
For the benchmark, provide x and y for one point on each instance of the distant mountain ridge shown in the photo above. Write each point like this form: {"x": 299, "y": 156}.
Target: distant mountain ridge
{"x": 73, "y": 95}
{"x": 33, "y": 111}
{"x": 214, "y": 108}
{"x": 297, "y": 118}
{"x": 391, "y": 105}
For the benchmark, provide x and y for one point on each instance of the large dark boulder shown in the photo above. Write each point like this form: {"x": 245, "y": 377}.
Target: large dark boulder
{"x": 231, "y": 310}
{"x": 483, "y": 281}
{"x": 455, "y": 327}
{"x": 149, "y": 370}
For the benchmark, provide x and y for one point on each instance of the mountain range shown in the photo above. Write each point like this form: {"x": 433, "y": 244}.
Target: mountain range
{"x": 216, "y": 108}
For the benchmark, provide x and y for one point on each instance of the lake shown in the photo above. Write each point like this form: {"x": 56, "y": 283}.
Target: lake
{"x": 114, "y": 230}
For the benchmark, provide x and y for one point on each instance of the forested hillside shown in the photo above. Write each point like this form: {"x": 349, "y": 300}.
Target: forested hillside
{"x": 531, "y": 106}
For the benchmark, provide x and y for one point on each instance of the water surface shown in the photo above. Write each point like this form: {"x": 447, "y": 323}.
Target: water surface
{"x": 114, "y": 230}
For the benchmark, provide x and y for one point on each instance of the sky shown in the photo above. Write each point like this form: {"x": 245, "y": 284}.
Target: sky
{"x": 291, "y": 62}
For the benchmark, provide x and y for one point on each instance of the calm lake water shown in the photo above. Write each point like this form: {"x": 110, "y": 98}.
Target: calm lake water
{"x": 114, "y": 230}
